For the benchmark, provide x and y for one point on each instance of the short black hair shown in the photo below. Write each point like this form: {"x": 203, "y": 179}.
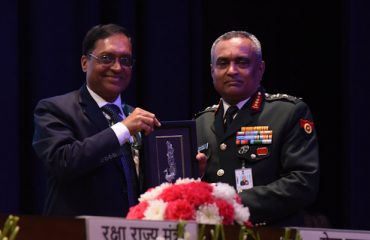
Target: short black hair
{"x": 100, "y": 32}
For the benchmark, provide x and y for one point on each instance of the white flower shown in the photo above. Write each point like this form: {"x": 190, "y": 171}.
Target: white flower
{"x": 154, "y": 192}
{"x": 155, "y": 210}
{"x": 208, "y": 214}
{"x": 186, "y": 180}
{"x": 224, "y": 191}
{"x": 241, "y": 213}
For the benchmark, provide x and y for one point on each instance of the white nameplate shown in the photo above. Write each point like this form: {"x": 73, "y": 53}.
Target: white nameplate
{"x": 322, "y": 233}
{"x": 111, "y": 228}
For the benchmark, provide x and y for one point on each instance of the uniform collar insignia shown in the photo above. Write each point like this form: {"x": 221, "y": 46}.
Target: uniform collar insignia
{"x": 256, "y": 102}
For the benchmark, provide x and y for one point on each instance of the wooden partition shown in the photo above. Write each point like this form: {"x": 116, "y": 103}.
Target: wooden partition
{"x": 96, "y": 228}
{"x": 52, "y": 228}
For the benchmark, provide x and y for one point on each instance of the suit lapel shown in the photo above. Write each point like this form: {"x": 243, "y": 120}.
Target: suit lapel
{"x": 92, "y": 110}
{"x": 94, "y": 113}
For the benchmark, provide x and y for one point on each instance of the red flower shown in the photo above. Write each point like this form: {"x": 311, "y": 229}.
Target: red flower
{"x": 226, "y": 211}
{"x": 137, "y": 212}
{"x": 238, "y": 199}
{"x": 179, "y": 210}
{"x": 190, "y": 199}
{"x": 175, "y": 192}
{"x": 198, "y": 193}
{"x": 248, "y": 224}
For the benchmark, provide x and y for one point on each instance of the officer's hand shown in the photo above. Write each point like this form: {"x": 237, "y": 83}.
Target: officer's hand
{"x": 141, "y": 120}
{"x": 202, "y": 158}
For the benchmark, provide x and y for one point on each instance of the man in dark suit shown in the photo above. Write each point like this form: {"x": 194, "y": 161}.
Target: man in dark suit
{"x": 271, "y": 137}
{"x": 89, "y": 139}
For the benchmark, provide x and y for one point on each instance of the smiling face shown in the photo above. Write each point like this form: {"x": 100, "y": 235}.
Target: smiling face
{"x": 108, "y": 80}
{"x": 236, "y": 70}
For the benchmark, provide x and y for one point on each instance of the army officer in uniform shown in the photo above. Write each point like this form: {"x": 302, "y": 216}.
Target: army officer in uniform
{"x": 271, "y": 137}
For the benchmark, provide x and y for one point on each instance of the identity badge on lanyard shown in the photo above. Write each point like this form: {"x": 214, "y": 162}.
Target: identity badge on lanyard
{"x": 243, "y": 176}
{"x": 244, "y": 179}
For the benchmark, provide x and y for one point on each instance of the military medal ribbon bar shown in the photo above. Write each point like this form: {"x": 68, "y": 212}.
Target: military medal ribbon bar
{"x": 254, "y": 135}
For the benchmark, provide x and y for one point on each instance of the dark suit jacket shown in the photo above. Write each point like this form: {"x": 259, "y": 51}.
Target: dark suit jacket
{"x": 286, "y": 179}
{"x": 82, "y": 156}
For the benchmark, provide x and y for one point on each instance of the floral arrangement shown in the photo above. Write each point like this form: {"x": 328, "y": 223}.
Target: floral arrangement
{"x": 189, "y": 199}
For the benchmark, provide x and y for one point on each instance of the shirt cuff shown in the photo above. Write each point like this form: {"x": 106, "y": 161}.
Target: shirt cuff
{"x": 122, "y": 132}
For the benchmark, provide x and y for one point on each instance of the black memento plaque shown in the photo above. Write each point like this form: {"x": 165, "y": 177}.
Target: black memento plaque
{"x": 170, "y": 153}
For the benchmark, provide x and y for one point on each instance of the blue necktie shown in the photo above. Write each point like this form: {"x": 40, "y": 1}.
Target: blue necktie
{"x": 113, "y": 111}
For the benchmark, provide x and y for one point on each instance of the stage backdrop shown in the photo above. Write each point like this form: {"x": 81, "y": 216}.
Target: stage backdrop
{"x": 317, "y": 50}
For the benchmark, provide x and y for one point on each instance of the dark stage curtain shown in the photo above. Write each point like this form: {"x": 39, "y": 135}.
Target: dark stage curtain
{"x": 317, "y": 50}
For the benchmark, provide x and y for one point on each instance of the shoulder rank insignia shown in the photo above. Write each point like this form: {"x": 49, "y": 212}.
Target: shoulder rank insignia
{"x": 306, "y": 125}
{"x": 281, "y": 96}
{"x": 213, "y": 108}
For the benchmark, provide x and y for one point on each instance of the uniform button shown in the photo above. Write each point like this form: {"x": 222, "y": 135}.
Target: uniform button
{"x": 253, "y": 156}
{"x": 220, "y": 172}
{"x": 223, "y": 146}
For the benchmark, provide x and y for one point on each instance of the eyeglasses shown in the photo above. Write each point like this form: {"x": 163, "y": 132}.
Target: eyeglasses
{"x": 108, "y": 59}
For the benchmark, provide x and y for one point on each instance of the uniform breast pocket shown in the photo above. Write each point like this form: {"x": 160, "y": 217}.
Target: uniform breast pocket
{"x": 254, "y": 153}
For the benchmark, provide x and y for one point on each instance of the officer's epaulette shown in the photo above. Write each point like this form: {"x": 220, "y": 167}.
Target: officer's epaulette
{"x": 213, "y": 108}
{"x": 281, "y": 96}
